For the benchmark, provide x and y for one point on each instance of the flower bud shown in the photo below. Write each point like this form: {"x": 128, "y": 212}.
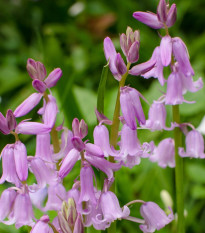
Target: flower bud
{"x": 36, "y": 69}
{"x": 120, "y": 65}
{"x": 69, "y": 212}
{"x": 83, "y": 129}
{"x": 162, "y": 11}
{"x": 39, "y": 85}
{"x": 53, "y": 77}
{"x": 78, "y": 143}
{"x": 11, "y": 120}
{"x": 130, "y": 45}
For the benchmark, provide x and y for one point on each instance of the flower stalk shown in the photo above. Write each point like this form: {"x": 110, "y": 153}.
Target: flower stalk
{"x": 178, "y": 172}
{"x": 116, "y": 121}
{"x": 114, "y": 133}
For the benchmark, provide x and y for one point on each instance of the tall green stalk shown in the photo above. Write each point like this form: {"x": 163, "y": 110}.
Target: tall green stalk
{"x": 178, "y": 172}
{"x": 114, "y": 135}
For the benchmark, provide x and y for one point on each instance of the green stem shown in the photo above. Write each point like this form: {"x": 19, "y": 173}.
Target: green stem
{"x": 114, "y": 135}
{"x": 116, "y": 121}
{"x": 178, "y": 172}
{"x": 54, "y": 132}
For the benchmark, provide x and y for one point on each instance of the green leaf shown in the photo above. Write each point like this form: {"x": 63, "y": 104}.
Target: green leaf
{"x": 196, "y": 172}
{"x": 101, "y": 89}
{"x": 198, "y": 192}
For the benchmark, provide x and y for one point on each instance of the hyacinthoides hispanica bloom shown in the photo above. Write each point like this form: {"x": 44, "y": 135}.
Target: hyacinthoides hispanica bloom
{"x": 85, "y": 204}
{"x": 173, "y": 52}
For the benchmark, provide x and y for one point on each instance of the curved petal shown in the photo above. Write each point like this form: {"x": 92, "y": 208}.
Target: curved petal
{"x": 27, "y": 105}
{"x": 149, "y": 19}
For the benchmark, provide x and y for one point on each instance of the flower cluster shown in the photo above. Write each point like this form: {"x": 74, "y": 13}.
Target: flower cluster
{"x": 86, "y": 204}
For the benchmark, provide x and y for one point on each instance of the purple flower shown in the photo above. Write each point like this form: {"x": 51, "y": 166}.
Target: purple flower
{"x": 42, "y": 225}
{"x": 23, "y": 212}
{"x": 174, "y": 93}
{"x": 51, "y": 110}
{"x": 157, "y": 70}
{"x": 9, "y": 166}
{"x": 20, "y": 157}
{"x": 164, "y": 153}
{"x": 78, "y": 228}
{"x": 142, "y": 68}
{"x": 194, "y": 145}
{"x": 27, "y": 105}
{"x": 155, "y": 218}
{"x": 101, "y": 139}
{"x": 87, "y": 200}
{"x": 130, "y": 44}
{"x": 56, "y": 195}
{"x": 104, "y": 165}
{"x": 37, "y": 72}
{"x": 131, "y": 150}
{"x": 25, "y": 127}
{"x": 68, "y": 162}
{"x": 165, "y": 16}
{"x": 111, "y": 210}
{"x": 43, "y": 147}
{"x": 66, "y": 144}
{"x": 80, "y": 129}
{"x": 6, "y": 202}
{"x": 131, "y": 107}
{"x": 166, "y": 50}
{"x": 116, "y": 63}
{"x": 3, "y": 124}
{"x": 157, "y": 118}
{"x": 43, "y": 173}
{"x": 181, "y": 55}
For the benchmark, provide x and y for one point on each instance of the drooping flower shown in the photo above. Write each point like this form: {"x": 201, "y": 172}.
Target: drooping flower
{"x": 131, "y": 107}
{"x": 111, "y": 210}
{"x": 6, "y": 202}
{"x": 155, "y": 218}
{"x": 87, "y": 200}
{"x": 42, "y": 225}
{"x": 164, "y": 153}
{"x": 131, "y": 151}
{"x": 101, "y": 139}
{"x": 194, "y": 145}
{"x": 157, "y": 118}
{"x": 157, "y": 70}
{"x": 21, "y": 163}
{"x": 25, "y": 215}
{"x": 9, "y": 166}
{"x": 56, "y": 195}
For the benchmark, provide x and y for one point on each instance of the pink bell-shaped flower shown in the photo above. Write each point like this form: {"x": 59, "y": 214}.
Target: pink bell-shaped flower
{"x": 87, "y": 200}
{"x": 6, "y": 202}
{"x": 194, "y": 145}
{"x": 9, "y": 166}
{"x": 42, "y": 226}
{"x": 111, "y": 210}
{"x": 101, "y": 139}
{"x": 23, "y": 211}
{"x": 131, "y": 107}
{"x": 157, "y": 118}
{"x": 155, "y": 218}
{"x": 164, "y": 153}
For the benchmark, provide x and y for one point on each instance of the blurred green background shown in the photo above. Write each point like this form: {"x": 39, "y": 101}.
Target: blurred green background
{"x": 69, "y": 34}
